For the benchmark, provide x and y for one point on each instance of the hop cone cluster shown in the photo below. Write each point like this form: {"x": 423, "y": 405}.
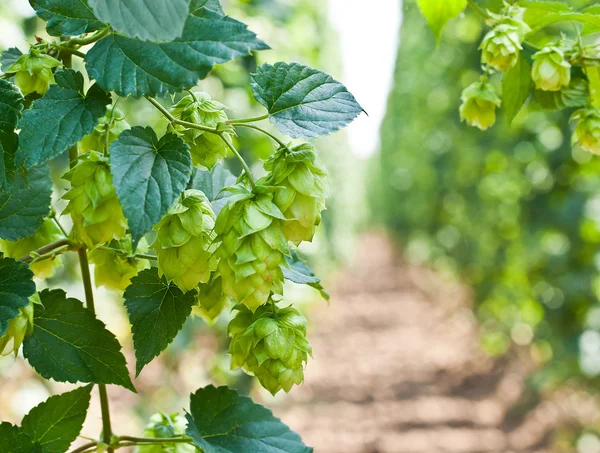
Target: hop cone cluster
{"x": 551, "y": 71}
{"x": 587, "y": 132}
{"x": 114, "y": 270}
{"x": 302, "y": 190}
{"x": 185, "y": 241}
{"x": 501, "y": 45}
{"x": 18, "y": 328}
{"x": 164, "y": 426}
{"x": 252, "y": 247}
{"x": 113, "y": 123}
{"x": 210, "y": 300}
{"x": 207, "y": 149}
{"x": 33, "y": 72}
{"x": 93, "y": 204}
{"x": 47, "y": 233}
{"x": 479, "y": 103}
{"x": 271, "y": 344}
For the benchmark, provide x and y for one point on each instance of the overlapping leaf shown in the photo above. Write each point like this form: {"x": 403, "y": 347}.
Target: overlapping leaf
{"x": 439, "y": 12}
{"x": 14, "y": 440}
{"x": 298, "y": 272}
{"x": 212, "y": 182}
{"x": 9, "y": 57}
{"x": 66, "y": 17}
{"x": 516, "y": 87}
{"x": 16, "y": 286}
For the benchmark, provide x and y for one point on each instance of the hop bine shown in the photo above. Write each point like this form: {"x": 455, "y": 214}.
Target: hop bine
{"x": 271, "y": 344}
{"x": 18, "y": 328}
{"x": 33, "y": 72}
{"x": 185, "y": 241}
{"x": 479, "y": 103}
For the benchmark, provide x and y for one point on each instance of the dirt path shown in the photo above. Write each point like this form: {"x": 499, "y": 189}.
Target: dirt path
{"x": 397, "y": 369}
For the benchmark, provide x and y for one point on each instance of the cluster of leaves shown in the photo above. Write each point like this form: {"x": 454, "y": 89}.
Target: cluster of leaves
{"x": 162, "y": 220}
{"x": 513, "y": 210}
{"x": 533, "y": 59}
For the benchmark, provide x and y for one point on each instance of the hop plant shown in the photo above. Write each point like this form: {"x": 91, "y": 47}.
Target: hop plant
{"x": 551, "y": 71}
{"x": 18, "y": 328}
{"x": 479, "y": 103}
{"x": 271, "y": 344}
{"x": 252, "y": 247}
{"x": 302, "y": 190}
{"x": 165, "y": 426}
{"x": 46, "y": 234}
{"x": 113, "y": 123}
{"x": 210, "y": 300}
{"x": 33, "y": 72}
{"x": 501, "y": 46}
{"x": 587, "y": 132}
{"x": 115, "y": 268}
{"x": 185, "y": 241}
{"x": 207, "y": 149}
{"x": 93, "y": 204}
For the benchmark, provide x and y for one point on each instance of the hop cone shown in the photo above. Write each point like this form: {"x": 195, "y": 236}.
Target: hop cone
{"x": 551, "y": 71}
{"x": 163, "y": 426}
{"x": 206, "y": 148}
{"x": 185, "y": 241}
{"x": 112, "y": 124}
{"x": 18, "y": 328}
{"x": 93, "y": 204}
{"x": 587, "y": 132}
{"x": 302, "y": 189}
{"x": 47, "y": 233}
{"x": 501, "y": 46}
{"x": 115, "y": 270}
{"x": 252, "y": 247}
{"x": 479, "y": 103}
{"x": 210, "y": 300}
{"x": 271, "y": 345}
{"x": 33, "y": 72}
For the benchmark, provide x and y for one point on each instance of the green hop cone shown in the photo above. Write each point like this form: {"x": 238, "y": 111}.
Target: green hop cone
{"x": 114, "y": 270}
{"x": 165, "y": 426}
{"x": 587, "y": 132}
{"x": 18, "y": 328}
{"x": 271, "y": 344}
{"x": 206, "y": 148}
{"x": 112, "y": 124}
{"x": 185, "y": 241}
{"x": 479, "y": 103}
{"x": 93, "y": 204}
{"x": 302, "y": 189}
{"x": 46, "y": 234}
{"x": 501, "y": 46}
{"x": 252, "y": 247}
{"x": 551, "y": 71}
{"x": 210, "y": 300}
{"x": 33, "y": 72}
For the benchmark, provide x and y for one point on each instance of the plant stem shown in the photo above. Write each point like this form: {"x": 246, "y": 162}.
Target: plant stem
{"x": 245, "y": 166}
{"x": 46, "y": 249}
{"x": 50, "y": 255}
{"x": 143, "y": 256}
{"x": 88, "y": 39}
{"x": 475, "y": 7}
{"x": 172, "y": 119}
{"x": 89, "y": 300}
{"x": 85, "y": 447}
{"x": 249, "y": 120}
{"x": 71, "y": 51}
{"x": 153, "y": 440}
{"x": 252, "y": 126}
{"x": 59, "y": 225}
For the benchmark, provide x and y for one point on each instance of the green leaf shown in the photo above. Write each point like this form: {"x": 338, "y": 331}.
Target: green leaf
{"x": 129, "y": 66}
{"x": 24, "y": 203}
{"x": 222, "y": 421}
{"x": 157, "y": 311}
{"x": 589, "y": 29}
{"x": 593, "y": 75}
{"x": 303, "y": 102}
{"x": 149, "y": 175}
{"x": 516, "y": 87}
{"x": 575, "y": 95}
{"x": 9, "y": 57}
{"x": 11, "y": 106}
{"x": 69, "y": 344}
{"x": 16, "y": 287}
{"x": 540, "y": 14}
{"x": 66, "y": 17}
{"x": 14, "y": 440}
{"x": 212, "y": 5}
{"x": 62, "y": 117}
{"x": 212, "y": 182}
{"x": 298, "y": 272}
{"x": 149, "y": 20}
{"x": 56, "y": 423}
{"x": 439, "y": 12}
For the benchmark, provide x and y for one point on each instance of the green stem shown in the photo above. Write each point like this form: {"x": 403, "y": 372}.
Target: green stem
{"x": 475, "y": 7}
{"x": 46, "y": 249}
{"x": 88, "y": 39}
{"x": 50, "y": 255}
{"x": 153, "y": 440}
{"x": 249, "y": 120}
{"x": 252, "y": 126}
{"x": 59, "y": 225}
{"x": 245, "y": 166}
{"x": 172, "y": 119}
{"x": 142, "y": 256}
{"x": 85, "y": 447}
{"x": 70, "y": 50}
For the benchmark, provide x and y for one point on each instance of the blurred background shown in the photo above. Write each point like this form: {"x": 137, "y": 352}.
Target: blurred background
{"x": 463, "y": 265}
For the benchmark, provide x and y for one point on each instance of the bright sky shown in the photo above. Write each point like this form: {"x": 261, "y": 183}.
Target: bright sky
{"x": 369, "y": 40}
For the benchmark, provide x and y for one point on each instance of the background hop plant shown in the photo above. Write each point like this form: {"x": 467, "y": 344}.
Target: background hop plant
{"x": 210, "y": 300}
{"x": 252, "y": 246}
{"x": 164, "y": 426}
{"x": 113, "y": 123}
{"x": 587, "y": 132}
{"x": 206, "y": 148}
{"x": 551, "y": 71}
{"x": 46, "y": 234}
{"x": 479, "y": 103}
{"x": 271, "y": 344}
{"x": 115, "y": 268}
{"x": 93, "y": 204}
{"x": 185, "y": 241}
{"x": 18, "y": 328}
{"x": 301, "y": 190}
{"x": 33, "y": 72}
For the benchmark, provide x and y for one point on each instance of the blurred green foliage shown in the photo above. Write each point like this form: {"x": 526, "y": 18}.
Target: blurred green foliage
{"x": 513, "y": 211}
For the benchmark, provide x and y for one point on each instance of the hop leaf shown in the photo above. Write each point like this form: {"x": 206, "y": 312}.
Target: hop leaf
{"x": 479, "y": 103}
{"x": 185, "y": 241}
{"x": 115, "y": 270}
{"x": 18, "y": 328}
{"x": 587, "y": 132}
{"x": 551, "y": 71}
{"x": 33, "y": 72}
{"x": 164, "y": 426}
{"x": 93, "y": 204}
{"x": 271, "y": 344}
